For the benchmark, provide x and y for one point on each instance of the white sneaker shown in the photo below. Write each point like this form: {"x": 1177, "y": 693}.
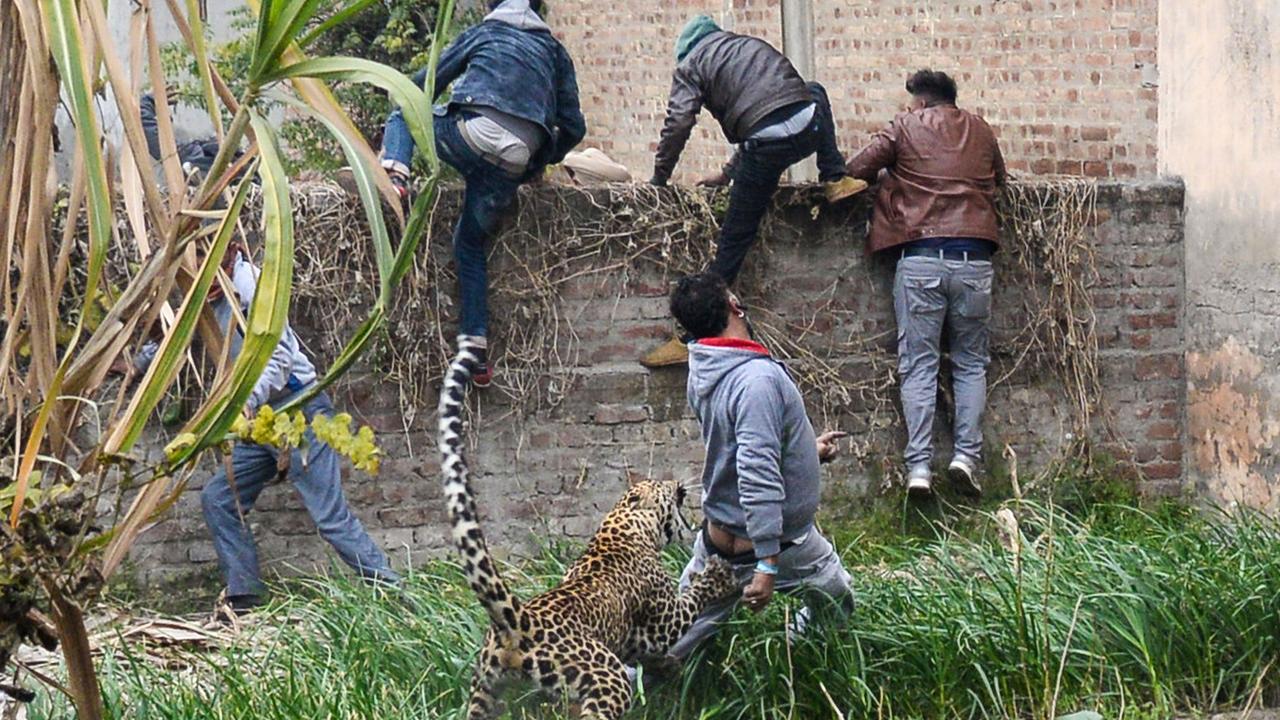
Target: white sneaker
{"x": 632, "y": 676}
{"x": 963, "y": 474}
{"x": 799, "y": 622}
{"x": 920, "y": 482}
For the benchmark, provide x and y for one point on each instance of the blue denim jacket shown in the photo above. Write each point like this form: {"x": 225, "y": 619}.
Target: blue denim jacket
{"x": 525, "y": 73}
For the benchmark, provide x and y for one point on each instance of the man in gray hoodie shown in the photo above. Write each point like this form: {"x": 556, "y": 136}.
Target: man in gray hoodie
{"x": 761, "y": 476}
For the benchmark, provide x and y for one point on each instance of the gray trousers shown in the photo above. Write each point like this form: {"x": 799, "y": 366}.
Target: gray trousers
{"x": 318, "y": 480}
{"x": 811, "y": 569}
{"x": 929, "y": 294}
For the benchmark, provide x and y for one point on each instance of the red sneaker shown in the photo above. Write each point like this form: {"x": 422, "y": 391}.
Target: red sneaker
{"x": 403, "y": 187}
{"x": 483, "y": 376}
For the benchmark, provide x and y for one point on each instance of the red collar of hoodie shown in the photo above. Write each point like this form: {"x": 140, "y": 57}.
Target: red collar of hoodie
{"x": 735, "y": 344}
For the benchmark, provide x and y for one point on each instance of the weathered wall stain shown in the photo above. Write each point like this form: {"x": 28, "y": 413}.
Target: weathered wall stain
{"x": 1220, "y": 132}
{"x": 1234, "y": 429}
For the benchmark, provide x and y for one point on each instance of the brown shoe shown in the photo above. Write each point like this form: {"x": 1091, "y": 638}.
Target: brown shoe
{"x": 845, "y": 187}
{"x": 672, "y": 352}
{"x": 346, "y": 179}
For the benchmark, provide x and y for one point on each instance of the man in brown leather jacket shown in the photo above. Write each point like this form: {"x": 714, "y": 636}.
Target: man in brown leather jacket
{"x": 938, "y": 167}
{"x": 769, "y": 112}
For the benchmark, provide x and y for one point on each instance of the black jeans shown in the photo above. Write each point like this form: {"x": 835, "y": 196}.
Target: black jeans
{"x": 756, "y": 169}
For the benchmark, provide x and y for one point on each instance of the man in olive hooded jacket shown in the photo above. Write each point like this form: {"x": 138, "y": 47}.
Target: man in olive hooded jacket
{"x": 773, "y": 117}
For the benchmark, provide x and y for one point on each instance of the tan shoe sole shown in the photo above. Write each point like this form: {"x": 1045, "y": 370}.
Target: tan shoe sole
{"x": 670, "y": 353}
{"x": 843, "y": 188}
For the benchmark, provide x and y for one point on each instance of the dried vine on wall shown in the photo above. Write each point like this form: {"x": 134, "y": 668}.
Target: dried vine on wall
{"x": 590, "y": 242}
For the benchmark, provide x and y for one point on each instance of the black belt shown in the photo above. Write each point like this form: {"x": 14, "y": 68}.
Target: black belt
{"x": 509, "y": 168}
{"x": 751, "y": 144}
{"x": 746, "y": 558}
{"x": 941, "y": 254}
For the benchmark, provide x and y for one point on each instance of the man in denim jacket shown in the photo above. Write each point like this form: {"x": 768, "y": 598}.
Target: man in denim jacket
{"x": 513, "y": 111}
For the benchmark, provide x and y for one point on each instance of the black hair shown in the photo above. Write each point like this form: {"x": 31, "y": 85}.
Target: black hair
{"x": 700, "y": 303}
{"x": 534, "y": 5}
{"x": 932, "y": 84}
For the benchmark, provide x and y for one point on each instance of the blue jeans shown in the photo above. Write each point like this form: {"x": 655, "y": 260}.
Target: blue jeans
{"x": 929, "y": 294}
{"x": 318, "y": 480}
{"x": 756, "y": 170}
{"x": 489, "y": 193}
{"x": 397, "y": 141}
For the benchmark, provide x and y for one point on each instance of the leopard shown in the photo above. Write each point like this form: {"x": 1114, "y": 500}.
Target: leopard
{"x": 615, "y": 605}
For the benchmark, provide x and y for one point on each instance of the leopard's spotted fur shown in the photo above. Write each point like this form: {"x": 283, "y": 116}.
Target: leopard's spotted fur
{"x": 614, "y": 605}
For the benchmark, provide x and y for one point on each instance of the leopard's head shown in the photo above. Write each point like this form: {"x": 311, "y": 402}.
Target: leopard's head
{"x": 654, "y": 508}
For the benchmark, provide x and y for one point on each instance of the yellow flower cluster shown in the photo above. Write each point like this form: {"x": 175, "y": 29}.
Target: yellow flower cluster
{"x": 360, "y": 447}
{"x": 281, "y": 430}
{"x": 286, "y": 430}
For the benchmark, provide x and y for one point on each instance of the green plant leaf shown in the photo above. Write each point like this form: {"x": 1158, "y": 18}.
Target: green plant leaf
{"x": 269, "y": 311}
{"x": 343, "y": 15}
{"x": 62, "y": 26}
{"x": 201, "y": 53}
{"x": 366, "y": 181}
{"x": 280, "y": 23}
{"x": 169, "y": 357}
{"x": 413, "y": 102}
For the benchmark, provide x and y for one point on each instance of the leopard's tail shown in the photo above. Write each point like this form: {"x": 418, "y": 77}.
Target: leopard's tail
{"x": 468, "y": 538}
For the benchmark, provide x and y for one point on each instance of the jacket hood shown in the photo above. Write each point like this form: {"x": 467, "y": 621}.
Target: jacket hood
{"x": 694, "y": 32}
{"x": 517, "y": 13}
{"x": 708, "y": 364}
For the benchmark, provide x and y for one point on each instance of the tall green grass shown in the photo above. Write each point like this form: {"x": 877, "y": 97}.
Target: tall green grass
{"x": 1143, "y": 617}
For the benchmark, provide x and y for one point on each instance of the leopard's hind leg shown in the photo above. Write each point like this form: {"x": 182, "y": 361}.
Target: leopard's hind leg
{"x": 587, "y": 672}
{"x": 486, "y": 680}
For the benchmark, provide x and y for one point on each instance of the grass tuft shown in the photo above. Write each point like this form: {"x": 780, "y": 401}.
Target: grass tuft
{"x": 1125, "y": 612}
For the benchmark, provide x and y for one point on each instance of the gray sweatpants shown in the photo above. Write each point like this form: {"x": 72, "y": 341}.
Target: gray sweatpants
{"x": 812, "y": 569}
{"x": 928, "y": 294}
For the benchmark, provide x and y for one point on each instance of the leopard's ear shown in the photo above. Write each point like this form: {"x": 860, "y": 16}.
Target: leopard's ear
{"x": 634, "y": 478}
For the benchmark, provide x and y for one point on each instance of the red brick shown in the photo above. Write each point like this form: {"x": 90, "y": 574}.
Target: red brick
{"x": 1158, "y": 367}
{"x": 1153, "y": 320}
{"x": 1103, "y": 300}
{"x": 651, "y": 332}
{"x": 1170, "y": 488}
{"x": 1164, "y": 431}
{"x": 1171, "y": 451}
{"x": 1097, "y": 168}
{"x": 1093, "y": 134}
{"x": 1162, "y": 471}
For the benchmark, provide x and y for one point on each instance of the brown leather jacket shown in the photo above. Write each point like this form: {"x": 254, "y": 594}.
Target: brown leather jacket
{"x": 740, "y": 79}
{"x": 942, "y": 167}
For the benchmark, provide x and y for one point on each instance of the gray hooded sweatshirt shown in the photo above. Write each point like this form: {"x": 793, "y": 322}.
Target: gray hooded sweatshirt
{"x": 760, "y": 479}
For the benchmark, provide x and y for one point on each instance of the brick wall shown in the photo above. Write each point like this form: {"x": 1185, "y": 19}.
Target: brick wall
{"x": 1138, "y": 300}
{"x": 553, "y": 474}
{"x": 1068, "y": 85}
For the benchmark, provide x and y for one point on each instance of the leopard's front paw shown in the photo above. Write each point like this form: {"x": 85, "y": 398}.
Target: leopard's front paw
{"x": 718, "y": 578}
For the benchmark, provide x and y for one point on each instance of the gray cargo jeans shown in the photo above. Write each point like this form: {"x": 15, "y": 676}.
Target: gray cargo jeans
{"x": 930, "y": 293}
{"x": 318, "y": 479}
{"x": 811, "y": 568}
